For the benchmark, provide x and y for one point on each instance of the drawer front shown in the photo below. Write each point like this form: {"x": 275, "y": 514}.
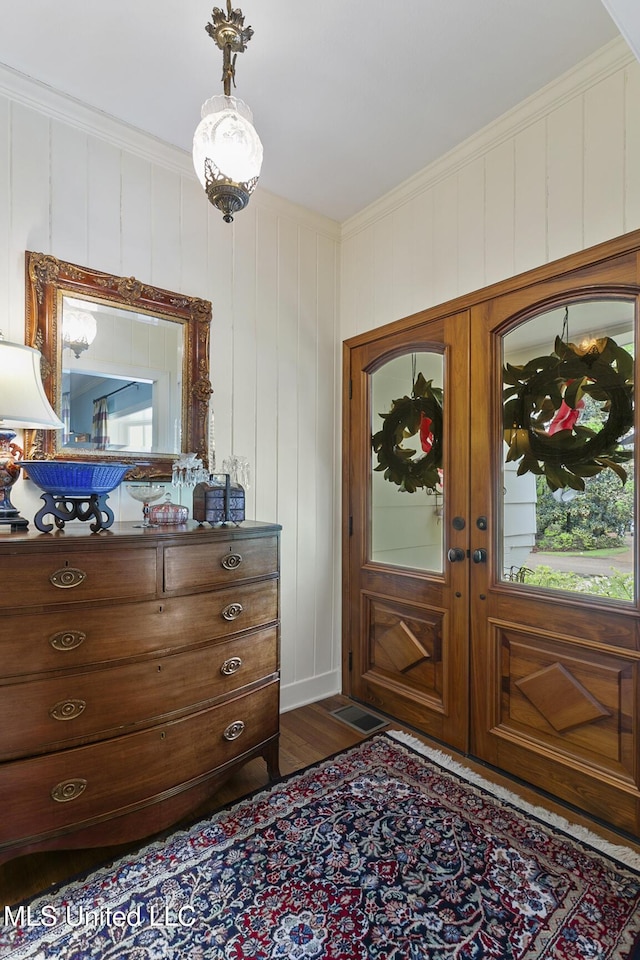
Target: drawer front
{"x": 48, "y": 794}
{"x": 56, "y": 712}
{"x": 79, "y": 636}
{"x": 212, "y": 564}
{"x": 69, "y": 576}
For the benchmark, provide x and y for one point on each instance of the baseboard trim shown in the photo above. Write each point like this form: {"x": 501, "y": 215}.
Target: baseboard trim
{"x": 302, "y": 692}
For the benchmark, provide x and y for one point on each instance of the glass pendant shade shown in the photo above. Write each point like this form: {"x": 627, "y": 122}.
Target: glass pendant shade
{"x": 227, "y": 153}
{"x": 79, "y": 330}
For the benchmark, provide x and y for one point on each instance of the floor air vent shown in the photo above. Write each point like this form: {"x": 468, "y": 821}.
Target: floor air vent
{"x": 359, "y": 719}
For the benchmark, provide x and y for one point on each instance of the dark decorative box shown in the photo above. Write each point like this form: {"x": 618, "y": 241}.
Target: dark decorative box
{"x": 218, "y": 502}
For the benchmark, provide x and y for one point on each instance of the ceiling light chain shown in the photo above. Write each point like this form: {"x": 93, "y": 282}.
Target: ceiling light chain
{"x": 227, "y": 152}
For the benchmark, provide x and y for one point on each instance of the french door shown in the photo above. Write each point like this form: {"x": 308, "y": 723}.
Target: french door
{"x": 494, "y": 605}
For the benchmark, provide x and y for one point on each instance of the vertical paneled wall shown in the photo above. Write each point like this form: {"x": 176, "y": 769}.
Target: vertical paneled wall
{"x": 96, "y": 193}
{"x": 559, "y": 173}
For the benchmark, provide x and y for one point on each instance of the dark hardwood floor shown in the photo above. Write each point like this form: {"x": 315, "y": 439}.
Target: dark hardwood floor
{"x": 308, "y": 734}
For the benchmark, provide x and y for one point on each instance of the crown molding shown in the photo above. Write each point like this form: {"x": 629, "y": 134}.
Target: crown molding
{"x": 58, "y": 106}
{"x": 611, "y": 58}
{"x": 40, "y": 97}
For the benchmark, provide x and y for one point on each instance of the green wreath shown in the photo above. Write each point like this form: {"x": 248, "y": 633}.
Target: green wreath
{"x": 534, "y": 398}
{"x": 403, "y": 421}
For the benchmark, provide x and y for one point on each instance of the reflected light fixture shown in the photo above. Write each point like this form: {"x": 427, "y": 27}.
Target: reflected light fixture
{"x": 23, "y": 404}
{"x": 227, "y": 152}
{"x": 79, "y": 330}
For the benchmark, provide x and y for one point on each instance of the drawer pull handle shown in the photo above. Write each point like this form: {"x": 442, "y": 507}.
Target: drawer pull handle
{"x": 232, "y": 611}
{"x": 67, "y": 709}
{"x": 234, "y": 730}
{"x": 67, "y": 639}
{"x": 68, "y": 790}
{"x": 68, "y": 577}
{"x": 232, "y": 665}
{"x": 231, "y": 561}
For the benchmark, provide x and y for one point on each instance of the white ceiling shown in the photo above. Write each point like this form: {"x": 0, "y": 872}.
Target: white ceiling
{"x": 350, "y": 98}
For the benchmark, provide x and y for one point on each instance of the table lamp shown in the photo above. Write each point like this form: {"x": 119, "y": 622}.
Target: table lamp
{"x": 23, "y": 404}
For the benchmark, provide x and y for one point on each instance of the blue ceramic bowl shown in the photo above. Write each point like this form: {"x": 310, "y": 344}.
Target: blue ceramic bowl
{"x": 75, "y": 478}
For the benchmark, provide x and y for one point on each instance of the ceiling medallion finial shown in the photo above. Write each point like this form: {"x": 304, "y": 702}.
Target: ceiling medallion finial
{"x": 227, "y": 152}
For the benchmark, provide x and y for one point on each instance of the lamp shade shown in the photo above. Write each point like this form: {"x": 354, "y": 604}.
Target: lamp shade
{"x": 226, "y": 145}
{"x": 23, "y": 402}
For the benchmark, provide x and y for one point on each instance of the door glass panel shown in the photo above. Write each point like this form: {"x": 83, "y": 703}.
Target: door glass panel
{"x": 406, "y": 482}
{"x": 568, "y": 519}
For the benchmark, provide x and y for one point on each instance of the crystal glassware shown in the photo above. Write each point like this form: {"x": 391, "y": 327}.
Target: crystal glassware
{"x": 145, "y": 493}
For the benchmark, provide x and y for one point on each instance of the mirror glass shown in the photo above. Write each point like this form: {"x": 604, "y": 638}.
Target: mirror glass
{"x": 125, "y": 365}
{"x": 122, "y": 390}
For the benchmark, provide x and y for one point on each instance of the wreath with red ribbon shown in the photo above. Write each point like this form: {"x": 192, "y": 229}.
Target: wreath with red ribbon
{"x": 542, "y": 404}
{"x": 421, "y": 414}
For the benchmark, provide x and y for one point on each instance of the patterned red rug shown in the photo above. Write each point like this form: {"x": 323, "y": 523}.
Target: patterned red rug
{"x": 379, "y": 852}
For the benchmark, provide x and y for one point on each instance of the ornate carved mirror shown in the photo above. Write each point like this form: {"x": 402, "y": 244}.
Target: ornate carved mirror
{"x": 125, "y": 366}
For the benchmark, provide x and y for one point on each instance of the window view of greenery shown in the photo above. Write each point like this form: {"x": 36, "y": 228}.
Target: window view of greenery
{"x": 596, "y": 525}
{"x": 583, "y": 541}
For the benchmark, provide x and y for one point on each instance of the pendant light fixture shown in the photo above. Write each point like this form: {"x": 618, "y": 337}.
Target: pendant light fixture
{"x": 227, "y": 152}
{"x": 79, "y": 329}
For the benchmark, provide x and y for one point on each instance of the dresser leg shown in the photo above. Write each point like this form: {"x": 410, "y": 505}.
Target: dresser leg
{"x": 272, "y": 758}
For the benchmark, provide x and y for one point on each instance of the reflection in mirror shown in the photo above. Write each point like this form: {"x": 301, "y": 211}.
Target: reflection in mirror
{"x": 406, "y": 528}
{"x": 568, "y": 504}
{"x": 121, "y": 390}
{"x": 125, "y": 365}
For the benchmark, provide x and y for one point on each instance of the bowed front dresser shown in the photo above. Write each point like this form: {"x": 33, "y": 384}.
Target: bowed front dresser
{"x": 138, "y": 668}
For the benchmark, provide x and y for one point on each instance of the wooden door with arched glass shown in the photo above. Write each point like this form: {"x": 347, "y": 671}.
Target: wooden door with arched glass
{"x": 407, "y": 585}
{"x": 554, "y": 610}
{"x": 498, "y": 612}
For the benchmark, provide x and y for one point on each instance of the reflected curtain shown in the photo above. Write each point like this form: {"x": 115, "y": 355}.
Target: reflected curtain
{"x": 65, "y": 416}
{"x": 101, "y": 423}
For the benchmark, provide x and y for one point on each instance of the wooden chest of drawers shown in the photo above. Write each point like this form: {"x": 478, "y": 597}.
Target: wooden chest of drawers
{"x": 138, "y": 668}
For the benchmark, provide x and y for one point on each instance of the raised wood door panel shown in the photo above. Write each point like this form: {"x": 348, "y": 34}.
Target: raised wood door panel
{"x": 407, "y": 624}
{"x": 555, "y": 675}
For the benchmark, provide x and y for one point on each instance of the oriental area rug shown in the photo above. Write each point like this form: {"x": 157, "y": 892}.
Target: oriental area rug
{"x": 388, "y": 851}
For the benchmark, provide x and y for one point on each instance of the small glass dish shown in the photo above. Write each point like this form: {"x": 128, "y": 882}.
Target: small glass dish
{"x": 168, "y": 512}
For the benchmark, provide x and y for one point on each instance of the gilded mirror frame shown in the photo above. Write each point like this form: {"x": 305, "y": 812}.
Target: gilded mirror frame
{"x": 47, "y": 281}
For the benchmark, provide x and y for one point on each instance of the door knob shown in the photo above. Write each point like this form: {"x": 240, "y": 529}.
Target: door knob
{"x": 480, "y": 555}
{"x": 455, "y": 554}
